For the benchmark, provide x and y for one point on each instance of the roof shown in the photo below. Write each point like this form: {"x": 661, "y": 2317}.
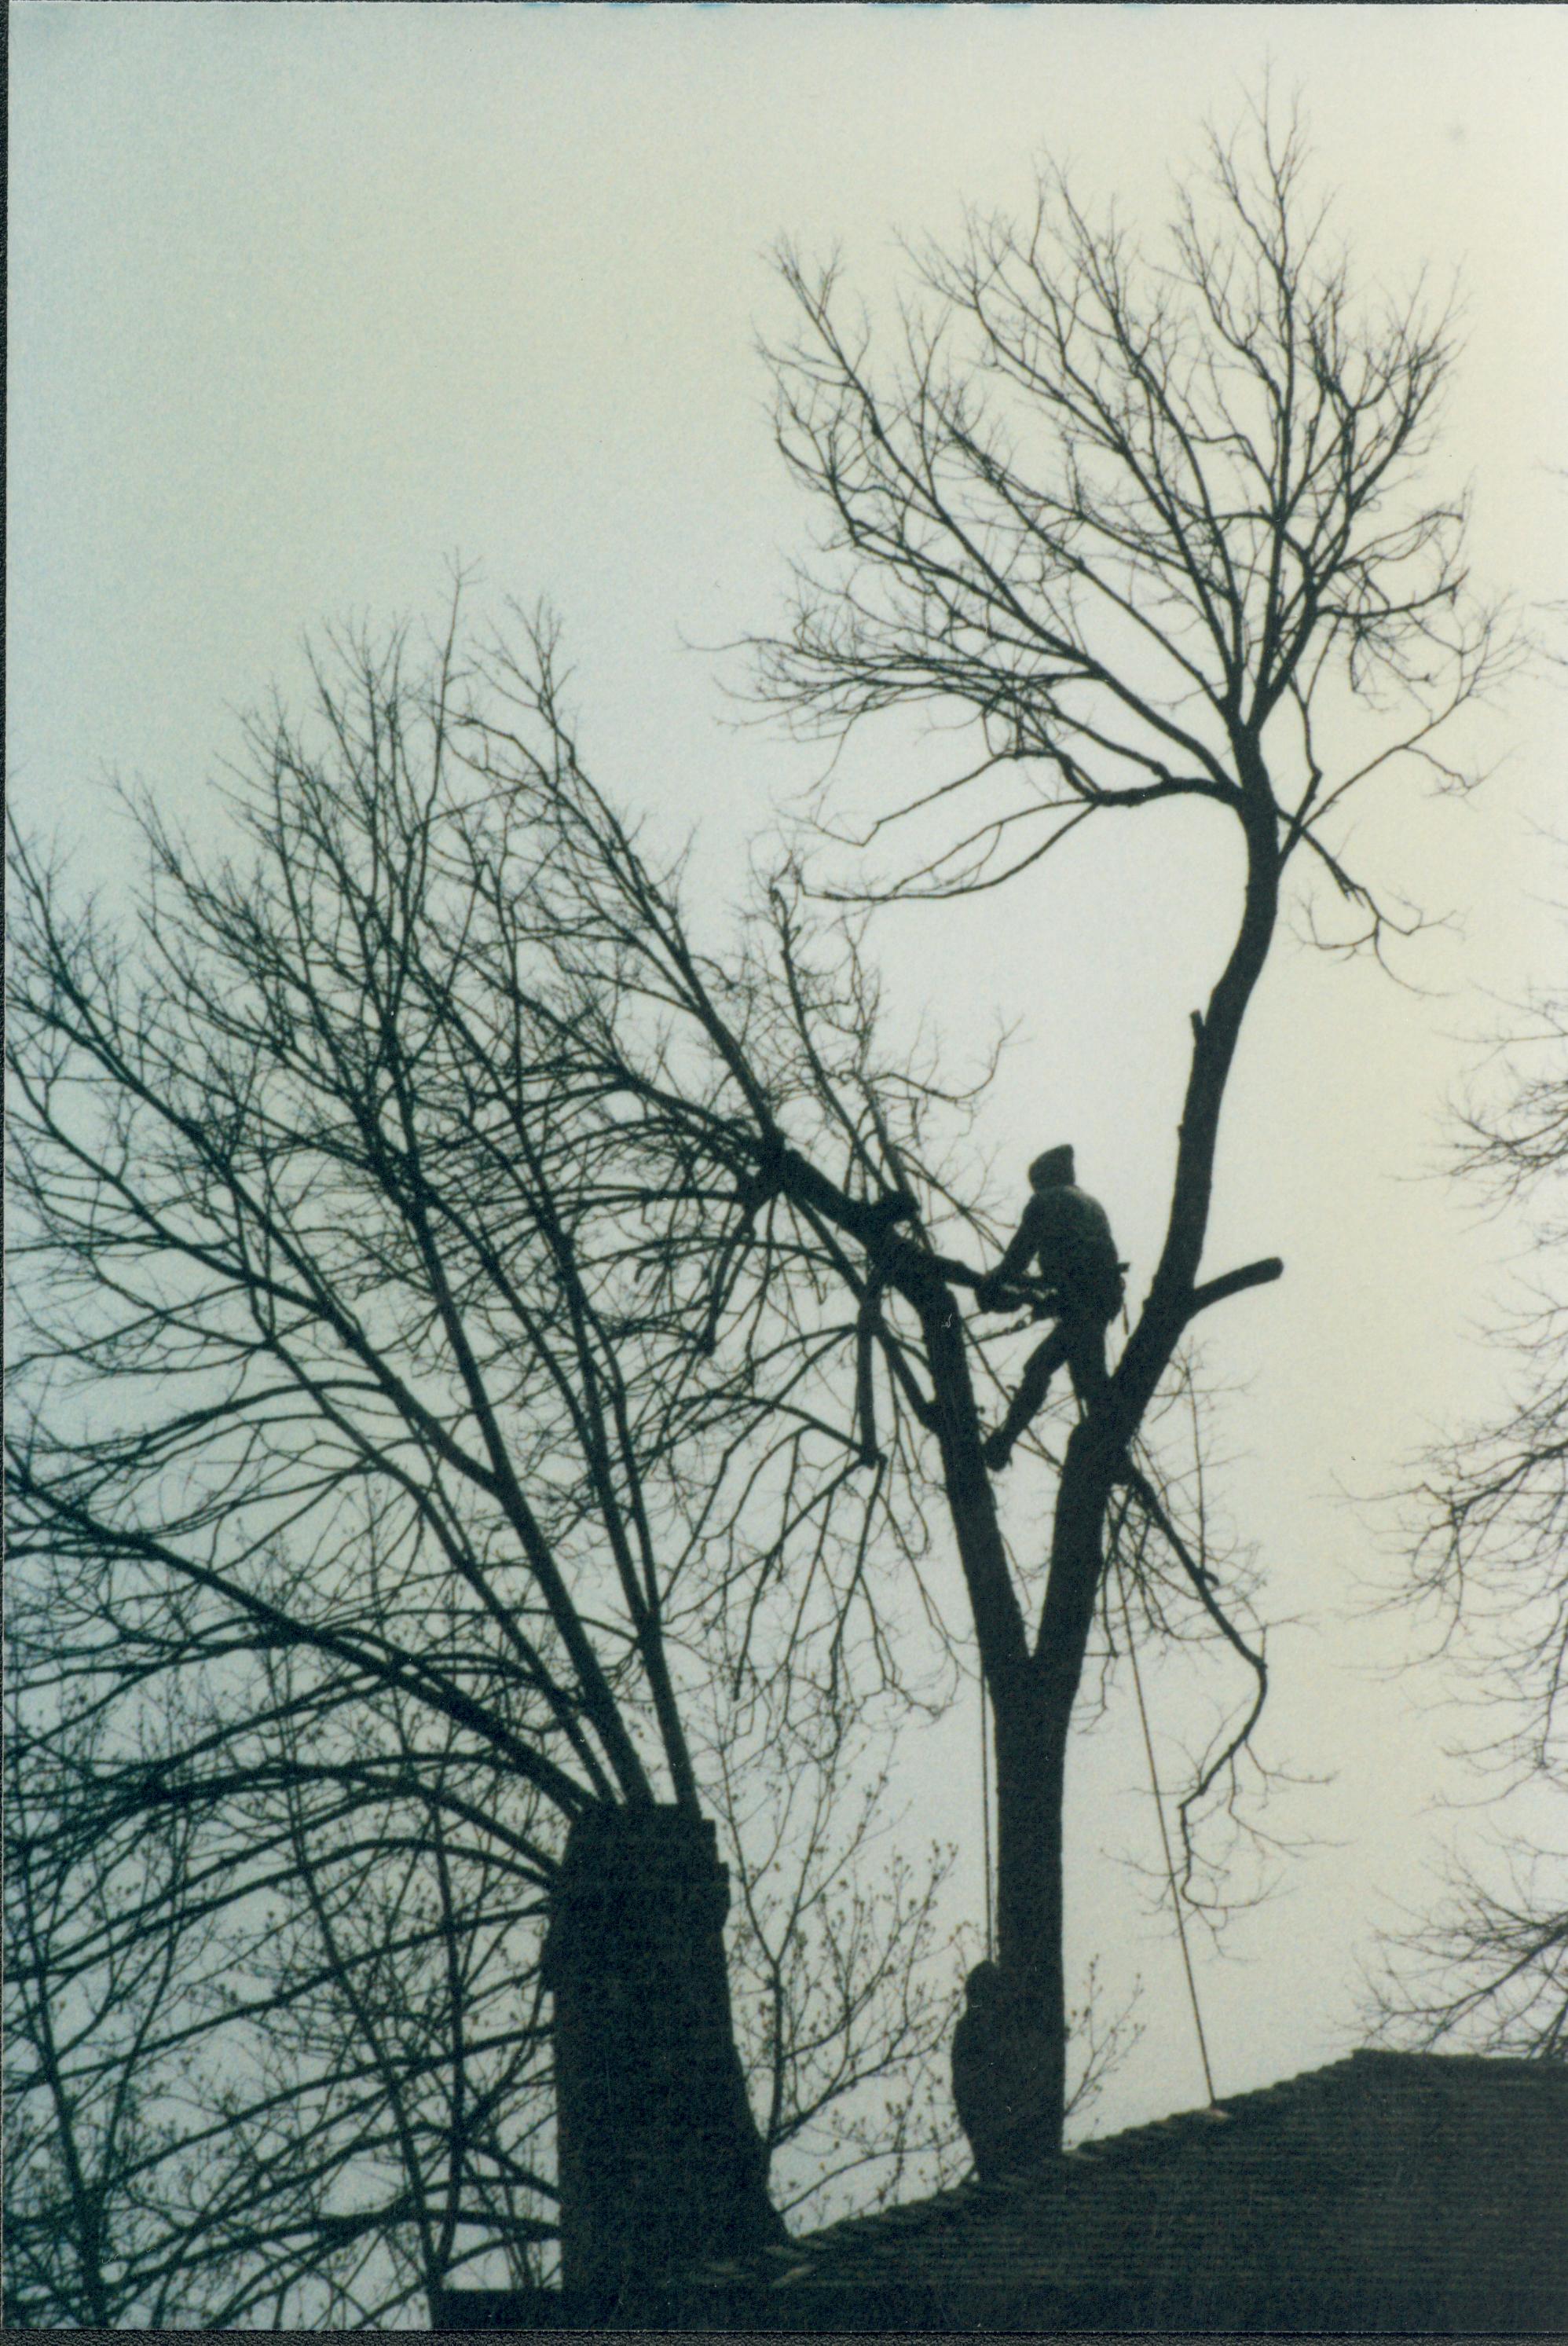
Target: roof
{"x": 1388, "y": 2191}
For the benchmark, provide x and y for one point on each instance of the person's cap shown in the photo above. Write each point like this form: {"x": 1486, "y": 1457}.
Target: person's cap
{"x": 1048, "y": 1172}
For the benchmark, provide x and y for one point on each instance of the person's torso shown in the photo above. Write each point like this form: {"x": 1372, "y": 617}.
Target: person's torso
{"x": 1076, "y": 1250}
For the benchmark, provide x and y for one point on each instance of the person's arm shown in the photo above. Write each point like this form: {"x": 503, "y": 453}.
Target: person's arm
{"x": 1021, "y": 1249}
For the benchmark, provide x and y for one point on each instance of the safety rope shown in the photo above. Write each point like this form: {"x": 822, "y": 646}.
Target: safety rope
{"x": 1165, "y": 1841}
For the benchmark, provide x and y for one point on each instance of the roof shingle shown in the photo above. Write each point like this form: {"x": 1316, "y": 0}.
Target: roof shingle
{"x": 1387, "y": 2192}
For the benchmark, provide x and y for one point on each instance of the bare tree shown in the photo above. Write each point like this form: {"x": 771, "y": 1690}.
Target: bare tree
{"x": 1489, "y": 1971}
{"x": 389, "y": 1460}
{"x": 1498, "y": 1499}
{"x": 845, "y": 2015}
{"x": 1136, "y": 527}
{"x": 88, "y": 2075}
{"x": 1492, "y": 1967}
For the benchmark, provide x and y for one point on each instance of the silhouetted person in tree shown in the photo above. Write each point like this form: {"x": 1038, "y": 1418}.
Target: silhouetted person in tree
{"x": 1002, "y": 2080}
{"x": 1063, "y": 1259}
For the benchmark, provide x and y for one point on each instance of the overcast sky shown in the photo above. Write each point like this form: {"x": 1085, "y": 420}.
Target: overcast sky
{"x": 307, "y": 300}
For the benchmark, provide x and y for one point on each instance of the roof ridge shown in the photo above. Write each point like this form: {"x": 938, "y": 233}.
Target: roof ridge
{"x": 1536, "y": 2064}
{"x": 1175, "y": 2131}
{"x": 1163, "y": 2131}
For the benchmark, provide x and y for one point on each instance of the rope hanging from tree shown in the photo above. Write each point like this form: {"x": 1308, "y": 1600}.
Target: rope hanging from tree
{"x": 1165, "y": 1839}
{"x": 985, "y": 1820}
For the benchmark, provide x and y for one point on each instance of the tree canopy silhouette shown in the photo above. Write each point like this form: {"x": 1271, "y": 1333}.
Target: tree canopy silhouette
{"x": 1142, "y": 526}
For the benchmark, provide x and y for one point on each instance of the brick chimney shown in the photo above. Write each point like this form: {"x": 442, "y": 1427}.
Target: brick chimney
{"x": 660, "y": 2163}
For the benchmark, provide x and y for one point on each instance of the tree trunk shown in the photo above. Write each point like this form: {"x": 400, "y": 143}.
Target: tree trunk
{"x": 1033, "y": 1696}
{"x": 1029, "y": 1888}
{"x": 1032, "y": 1710}
{"x": 1034, "y": 1688}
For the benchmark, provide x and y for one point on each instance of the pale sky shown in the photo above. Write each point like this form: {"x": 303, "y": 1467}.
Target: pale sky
{"x": 306, "y": 299}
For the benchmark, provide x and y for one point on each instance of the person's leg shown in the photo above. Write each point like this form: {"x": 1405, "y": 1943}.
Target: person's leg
{"x": 1084, "y": 1342}
{"x": 1029, "y": 1399}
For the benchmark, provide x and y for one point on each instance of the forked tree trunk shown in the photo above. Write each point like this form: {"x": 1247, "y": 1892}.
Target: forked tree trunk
{"x": 1034, "y": 1682}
